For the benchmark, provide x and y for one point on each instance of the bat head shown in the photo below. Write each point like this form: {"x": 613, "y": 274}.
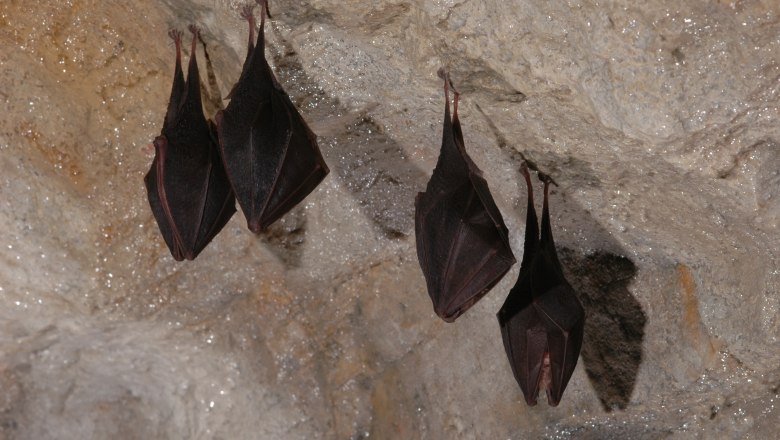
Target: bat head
{"x": 545, "y": 382}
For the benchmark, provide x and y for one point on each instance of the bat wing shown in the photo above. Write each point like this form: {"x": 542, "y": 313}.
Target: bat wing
{"x": 187, "y": 187}
{"x": 462, "y": 253}
{"x": 564, "y": 322}
{"x": 270, "y": 154}
{"x": 300, "y": 169}
{"x": 542, "y": 341}
{"x": 524, "y": 333}
{"x": 462, "y": 242}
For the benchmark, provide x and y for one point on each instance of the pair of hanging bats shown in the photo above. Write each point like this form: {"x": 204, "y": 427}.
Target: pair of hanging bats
{"x": 261, "y": 152}
{"x": 463, "y": 249}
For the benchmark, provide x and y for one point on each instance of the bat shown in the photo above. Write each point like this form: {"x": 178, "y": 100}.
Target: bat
{"x": 270, "y": 154}
{"x": 462, "y": 241}
{"x": 187, "y": 186}
{"x": 542, "y": 320}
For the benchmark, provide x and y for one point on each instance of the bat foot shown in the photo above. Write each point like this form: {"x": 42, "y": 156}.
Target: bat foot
{"x": 444, "y": 74}
{"x": 247, "y": 13}
{"x": 546, "y": 179}
{"x": 194, "y": 29}
{"x": 264, "y": 7}
{"x": 175, "y": 35}
{"x": 527, "y": 175}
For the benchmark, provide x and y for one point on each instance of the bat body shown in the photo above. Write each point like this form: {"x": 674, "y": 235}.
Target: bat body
{"x": 542, "y": 320}
{"x": 187, "y": 186}
{"x": 270, "y": 154}
{"x": 462, "y": 242}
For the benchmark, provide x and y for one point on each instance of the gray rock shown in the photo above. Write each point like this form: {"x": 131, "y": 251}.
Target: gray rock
{"x": 659, "y": 123}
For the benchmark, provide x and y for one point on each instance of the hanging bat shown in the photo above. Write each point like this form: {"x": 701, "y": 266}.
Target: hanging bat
{"x": 271, "y": 156}
{"x": 542, "y": 320}
{"x": 188, "y": 189}
{"x": 462, "y": 242}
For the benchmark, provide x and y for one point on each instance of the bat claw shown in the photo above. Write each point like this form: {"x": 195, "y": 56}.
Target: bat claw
{"x": 524, "y": 168}
{"x": 264, "y": 7}
{"x": 546, "y": 178}
{"x": 195, "y": 37}
{"x": 175, "y": 35}
{"x": 524, "y": 171}
{"x": 444, "y": 74}
{"x": 248, "y": 13}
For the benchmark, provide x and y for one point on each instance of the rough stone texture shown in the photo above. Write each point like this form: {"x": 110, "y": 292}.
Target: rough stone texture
{"x": 659, "y": 122}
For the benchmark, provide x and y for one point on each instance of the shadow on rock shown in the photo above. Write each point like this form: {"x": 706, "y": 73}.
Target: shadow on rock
{"x": 371, "y": 165}
{"x": 384, "y": 183}
{"x": 615, "y": 323}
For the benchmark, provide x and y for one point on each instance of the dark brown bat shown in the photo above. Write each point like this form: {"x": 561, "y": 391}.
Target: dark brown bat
{"x": 542, "y": 320}
{"x": 462, "y": 242}
{"x": 188, "y": 189}
{"x": 271, "y": 155}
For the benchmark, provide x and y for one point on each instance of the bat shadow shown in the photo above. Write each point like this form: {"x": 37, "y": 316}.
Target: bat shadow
{"x": 614, "y": 325}
{"x": 370, "y": 164}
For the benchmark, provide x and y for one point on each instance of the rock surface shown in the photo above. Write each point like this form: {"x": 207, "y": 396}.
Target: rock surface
{"x": 660, "y": 124}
